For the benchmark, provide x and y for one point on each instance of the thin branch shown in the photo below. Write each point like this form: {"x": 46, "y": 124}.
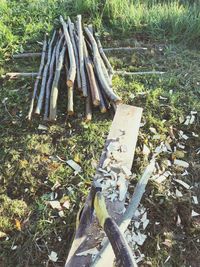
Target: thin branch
{"x": 14, "y": 75}
{"x": 72, "y": 63}
{"x": 124, "y": 49}
{"x": 24, "y": 55}
{"x": 126, "y": 73}
{"x": 38, "y": 78}
{"x": 44, "y": 76}
{"x": 54, "y": 91}
{"x": 81, "y": 57}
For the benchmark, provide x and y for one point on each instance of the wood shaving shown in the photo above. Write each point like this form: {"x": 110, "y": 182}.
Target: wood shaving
{"x": 195, "y": 200}
{"x": 146, "y": 151}
{"x": 178, "y": 193}
{"x": 122, "y": 184}
{"x": 55, "y": 204}
{"x": 42, "y": 127}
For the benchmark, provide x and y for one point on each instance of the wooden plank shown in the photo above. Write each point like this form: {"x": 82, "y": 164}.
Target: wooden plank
{"x": 124, "y": 130}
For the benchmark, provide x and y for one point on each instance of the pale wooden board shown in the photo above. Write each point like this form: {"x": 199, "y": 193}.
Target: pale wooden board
{"x": 125, "y": 126}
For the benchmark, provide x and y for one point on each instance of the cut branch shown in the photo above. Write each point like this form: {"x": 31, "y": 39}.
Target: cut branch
{"x": 71, "y": 33}
{"x": 72, "y": 69}
{"x": 98, "y": 67}
{"x": 13, "y": 75}
{"x": 38, "y": 78}
{"x": 91, "y": 77}
{"x": 126, "y": 73}
{"x": 54, "y": 91}
{"x": 31, "y": 54}
{"x": 44, "y": 76}
{"x": 70, "y": 92}
{"x": 81, "y": 58}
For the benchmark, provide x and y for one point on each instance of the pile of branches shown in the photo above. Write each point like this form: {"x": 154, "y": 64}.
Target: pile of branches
{"x": 77, "y": 52}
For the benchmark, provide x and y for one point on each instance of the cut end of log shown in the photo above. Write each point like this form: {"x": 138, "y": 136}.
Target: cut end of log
{"x": 96, "y": 103}
{"x": 70, "y": 112}
{"x": 103, "y": 110}
{"x": 70, "y": 83}
{"x": 88, "y": 118}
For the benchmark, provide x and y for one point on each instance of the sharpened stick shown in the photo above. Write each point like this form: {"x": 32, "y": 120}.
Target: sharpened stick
{"x": 54, "y": 91}
{"x": 71, "y": 33}
{"x": 72, "y": 63}
{"x": 44, "y": 76}
{"x": 38, "y": 78}
{"x": 106, "y": 252}
{"x": 91, "y": 77}
{"x": 98, "y": 67}
{"x": 81, "y": 57}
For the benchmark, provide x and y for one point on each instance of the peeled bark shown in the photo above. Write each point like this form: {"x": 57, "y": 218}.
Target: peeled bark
{"x": 81, "y": 58}
{"x": 98, "y": 67}
{"x": 44, "y": 76}
{"x": 38, "y": 78}
{"x": 71, "y": 33}
{"x": 91, "y": 77}
{"x": 72, "y": 69}
{"x": 54, "y": 91}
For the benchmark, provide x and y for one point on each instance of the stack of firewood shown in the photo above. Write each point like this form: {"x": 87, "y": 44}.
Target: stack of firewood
{"x": 76, "y": 52}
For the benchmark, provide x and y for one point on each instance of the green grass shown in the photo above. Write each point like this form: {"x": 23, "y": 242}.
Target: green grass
{"x": 28, "y": 164}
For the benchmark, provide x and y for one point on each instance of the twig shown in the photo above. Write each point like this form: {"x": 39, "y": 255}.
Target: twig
{"x": 31, "y": 54}
{"x": 91, "y": 77}
{"x": 111, "y": 49}
{"x": 72, "y": 63}
{"x": 81, "y": 58}
{"x": 44, "y": 76}
{"x": 71, "y": 33}
{"x": 126, "y": 73}
{"x": 98, "y": 67}
{"x": 13, "y": 75}
{"x": 54, "y": 91}
{"x": 106, "y": 251}
{"x": 38, "y": 78}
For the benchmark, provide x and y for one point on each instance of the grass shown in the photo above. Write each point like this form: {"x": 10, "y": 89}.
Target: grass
{"x": 29, "y": 167}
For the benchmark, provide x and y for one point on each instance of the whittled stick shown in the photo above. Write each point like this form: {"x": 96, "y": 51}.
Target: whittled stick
{"x": 38, "y": 78}
{"x": 97, "y": 64}
{"x": 44, "y": 76}
{"x": 54, "y": 91}
{"x": 71, "y": 33}
{"x": 72, "y": 68}
{"x": 50, "y": 79}
{"x": 81, "y": 57}
{"x": 91, "y": 77}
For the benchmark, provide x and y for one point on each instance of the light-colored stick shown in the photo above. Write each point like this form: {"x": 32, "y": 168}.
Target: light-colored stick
{"x": 72, "y": 63}
{"x": 38, "y": 78}
{"x": 54, "y": 91}
{"x": 31, "y": 54}
{"x": 91, "y": 77}
{"x": 98, "y": 67}
{"x": 70, "y": 93}
{"x": 44, "y": 76}
{"x": 81, "y": 57}
{"x": 71, "y": 33}
{"x": 106, "y": 256}
{"x": 13, "y": 75}
{"x": 126, "y": 73}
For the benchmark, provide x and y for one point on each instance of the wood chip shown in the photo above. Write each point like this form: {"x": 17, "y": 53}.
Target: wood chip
{"x": 185, "y": 185}
{"x": 146, "y": 151}
{"x": 178, "y": 193}
{"x": 181, "y": 163}
{"x": 77, "y": 168}
{"x": 122, "y": 184}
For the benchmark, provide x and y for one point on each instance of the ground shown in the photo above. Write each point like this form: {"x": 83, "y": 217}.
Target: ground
{"x": 31, "y": 174}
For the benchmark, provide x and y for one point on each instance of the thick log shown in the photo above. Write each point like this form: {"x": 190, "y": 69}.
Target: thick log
{"x": 38, "y": 78}
{"x": 89, "y": 234}
{"x": 72, "y": 63}
{"x": 81, "y": 57}
{"x": 91, "y": 77}
{"x": 49, "y": 83}
{"x": 98, "y": 67}
{"x": 54, "y": 91}
{"x": 71, "y": 33}
{"x": 44, "y": 76}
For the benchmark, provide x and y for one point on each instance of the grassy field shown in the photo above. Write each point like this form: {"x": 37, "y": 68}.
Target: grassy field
{"x": 29, "y": 168}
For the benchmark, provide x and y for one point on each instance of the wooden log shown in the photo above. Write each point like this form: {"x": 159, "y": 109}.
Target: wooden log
{"x": 81, "y": 57}
{"x": 102, "y": 105}
{"x": 38, "y": 78}
{"x": 106, "y": 251}
{"x": 104, "y": 57}
{"x": 91, "y": 77}
{"x": 98, "y": 67}
{"x": 71, "y": 33}
{"x": 89, "y": 234}
{"x": 72, "y": 63}
{"x": 44, "y": 76}
{"x": 49, "y": 82}
{"x": 54, "y": 91}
